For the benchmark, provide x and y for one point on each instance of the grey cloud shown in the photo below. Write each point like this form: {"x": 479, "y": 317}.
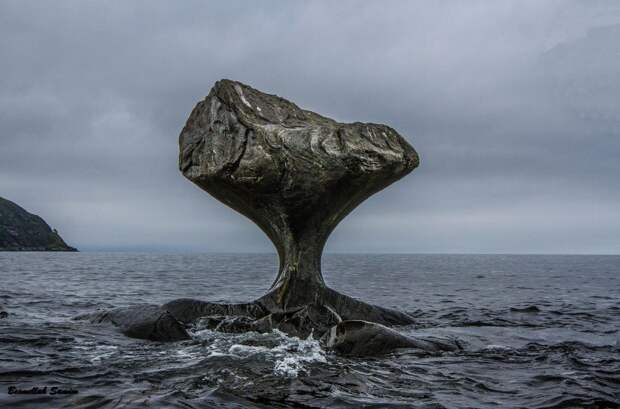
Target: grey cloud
{"x": 510, "y": 104}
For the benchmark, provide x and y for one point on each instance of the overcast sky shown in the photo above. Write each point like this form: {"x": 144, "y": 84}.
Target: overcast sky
{"x": 514, "y": 107}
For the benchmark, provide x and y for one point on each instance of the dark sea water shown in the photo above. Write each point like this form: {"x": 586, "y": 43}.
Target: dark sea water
{"x": 538, "y": 332}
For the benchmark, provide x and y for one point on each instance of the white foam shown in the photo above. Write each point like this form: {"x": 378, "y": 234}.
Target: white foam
{"x": 494, "y": 347}
{"x": 246, "y": 350}
{"x": 103, "y": 352}
{"x": 293, "y": 353}
{"x": 291, "y": 356}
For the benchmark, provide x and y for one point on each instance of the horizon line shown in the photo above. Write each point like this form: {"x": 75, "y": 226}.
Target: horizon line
{"x": 153, "y": 251}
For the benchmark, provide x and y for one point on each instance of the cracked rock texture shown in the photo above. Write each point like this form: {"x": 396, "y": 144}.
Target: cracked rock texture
{"x": 293, "y": 172}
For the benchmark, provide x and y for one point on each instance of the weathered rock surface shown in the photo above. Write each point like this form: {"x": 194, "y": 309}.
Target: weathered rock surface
{"x": 360, "y": 338}
{"x": 188, "y": 311}
{"x": 144, "y": 321}
{"x": 296, "y": 174}
{"x": 23, "y": 231}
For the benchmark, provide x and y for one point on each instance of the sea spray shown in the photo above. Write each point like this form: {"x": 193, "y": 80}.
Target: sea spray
{"x": 290, "y": 355}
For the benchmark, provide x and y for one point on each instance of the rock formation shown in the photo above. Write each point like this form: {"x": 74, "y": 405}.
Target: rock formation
{"x": 144, "y": 321}
{"x": 360, "y": 338}
{"x": 23, "y": 231}
{"x": 296, "y": 174}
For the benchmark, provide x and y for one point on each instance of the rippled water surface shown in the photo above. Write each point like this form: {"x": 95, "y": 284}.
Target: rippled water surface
{"x": 538, "y": 332}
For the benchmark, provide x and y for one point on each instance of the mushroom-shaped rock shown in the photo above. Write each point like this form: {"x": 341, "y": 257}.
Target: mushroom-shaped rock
{"x": 296, "y": 174}
{"x": 293, "y": 172}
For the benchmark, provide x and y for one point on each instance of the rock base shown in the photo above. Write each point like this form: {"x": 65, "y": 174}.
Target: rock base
{"x": 335, "y": 319}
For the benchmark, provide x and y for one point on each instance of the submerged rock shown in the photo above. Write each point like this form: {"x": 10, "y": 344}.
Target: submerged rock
{"x": 531, "y": 309}
{"x": 23, "y": 231}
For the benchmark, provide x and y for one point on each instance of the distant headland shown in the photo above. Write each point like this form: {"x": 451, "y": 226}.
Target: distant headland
{"x": 23, "y": 231}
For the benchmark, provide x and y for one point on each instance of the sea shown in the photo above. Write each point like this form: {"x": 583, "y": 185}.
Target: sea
{"x": 538, "y": 331}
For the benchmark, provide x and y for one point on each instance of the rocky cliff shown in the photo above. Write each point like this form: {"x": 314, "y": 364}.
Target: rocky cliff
{"x": 23, "y": 231}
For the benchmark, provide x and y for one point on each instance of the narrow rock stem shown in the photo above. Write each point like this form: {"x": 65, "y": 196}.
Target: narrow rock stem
{"x": 299, "y": 260}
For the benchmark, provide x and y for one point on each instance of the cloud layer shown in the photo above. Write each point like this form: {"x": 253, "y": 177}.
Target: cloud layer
{"x": 513, "y": 107}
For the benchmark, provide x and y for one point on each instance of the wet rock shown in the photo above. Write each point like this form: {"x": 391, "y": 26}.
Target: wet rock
{"x": 350, "y": 308}
{"x": 187, "y": 310}
{"x": 301, "y": 322}
{"x": 229, "y": 324}
{"x": 146, "y": 321}
{"x": 362, "y": 338}
{"x": 311, "y": 319}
